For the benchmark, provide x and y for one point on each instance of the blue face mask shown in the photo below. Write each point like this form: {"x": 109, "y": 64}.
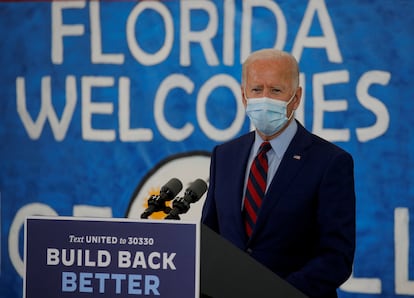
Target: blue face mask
{"x": 268, "y": 115}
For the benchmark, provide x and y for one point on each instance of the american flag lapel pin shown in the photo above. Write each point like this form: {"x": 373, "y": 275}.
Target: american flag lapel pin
{"x": 297, "y": 157}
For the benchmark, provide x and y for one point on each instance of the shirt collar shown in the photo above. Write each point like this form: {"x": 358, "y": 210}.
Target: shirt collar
{"x": 280, "y": 143}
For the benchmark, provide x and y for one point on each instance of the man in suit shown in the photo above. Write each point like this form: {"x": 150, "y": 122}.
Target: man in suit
{"x": 303, "y": 229}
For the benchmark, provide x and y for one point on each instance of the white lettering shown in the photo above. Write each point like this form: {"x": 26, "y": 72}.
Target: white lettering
{"x": 52, "y": 256}
{"x": 139, "y": 260}
{"x": 228, "y": 32}
{"x": 18, "y": 222}
{"x": 362, "y": 285}
{"x": 300, "y": 112}
{"x": 127, "y": 134}
{"x": 59, "y": 30}
{"x": 169, "y": 132}
{"x": 86, "y": 210}
{"x": 374, "y": 105}
{"x": 14, "y": 232}
{"x": 327, "y": 41}
{"x": 89, "y": 108}
{"x": 88, "y": 261}
{"x": 124, "y": 259}
{"x": 68, "y": 257}
{"x": 95, "y": 106}
{"x": 403, "y": 286}
{"x": 140, "y": 55}
{"x": 247, "y": 25}
{"x": 321, "y": 105}
{"x": 203, "y": 37}
{"x": 151, "y": 260}
{"x": 78, "y": 257}
{"x": 96, "y": 39}
{"x": 144, "y": 261}
{"x": 34, "y": 128}
{"x": 205, "y": 91}
{"x": 168, "y": 261}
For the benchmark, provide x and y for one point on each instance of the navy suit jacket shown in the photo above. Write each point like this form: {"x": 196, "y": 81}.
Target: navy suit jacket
{"x": 305, "y": 231}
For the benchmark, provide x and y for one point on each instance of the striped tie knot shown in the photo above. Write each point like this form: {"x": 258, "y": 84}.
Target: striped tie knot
{"x": 264, "y": 147}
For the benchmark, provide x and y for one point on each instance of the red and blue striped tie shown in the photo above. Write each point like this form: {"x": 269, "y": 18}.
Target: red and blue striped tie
{"x": 256, "y": 187}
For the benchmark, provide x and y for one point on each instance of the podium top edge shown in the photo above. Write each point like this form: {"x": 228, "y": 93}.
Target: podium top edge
{"x": 110, "y": 219}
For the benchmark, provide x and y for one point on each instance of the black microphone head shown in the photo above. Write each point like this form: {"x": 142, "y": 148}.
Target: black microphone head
{"x": 171, "y": 189}
{"x": 197, "y": 189}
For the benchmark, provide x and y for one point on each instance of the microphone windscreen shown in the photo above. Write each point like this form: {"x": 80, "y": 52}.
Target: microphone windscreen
{"x": 172, "y": 188}
{"x": 199, "y": 187}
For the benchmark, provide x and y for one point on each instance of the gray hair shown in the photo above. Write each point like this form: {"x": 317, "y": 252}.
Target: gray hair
{"x": 272, "y": 54}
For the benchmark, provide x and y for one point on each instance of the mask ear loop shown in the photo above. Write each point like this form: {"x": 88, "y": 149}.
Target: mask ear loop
{"x": 293, "y": 111}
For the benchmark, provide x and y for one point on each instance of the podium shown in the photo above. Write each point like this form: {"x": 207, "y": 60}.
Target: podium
{"x": 81, "y": 257}
{"x": 226, "y": 271}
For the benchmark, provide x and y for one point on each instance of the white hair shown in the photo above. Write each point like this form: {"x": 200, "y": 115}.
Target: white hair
{"x": 272, "y": 54}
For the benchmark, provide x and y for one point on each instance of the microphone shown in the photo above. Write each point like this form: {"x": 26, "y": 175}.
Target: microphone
{"x": 192, "y": 194}
{"x": 167, "y": 193}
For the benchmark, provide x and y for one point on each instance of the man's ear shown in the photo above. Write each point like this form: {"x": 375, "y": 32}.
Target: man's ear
{"x": 243, "y": 96}
{"x": 297, "y": 99}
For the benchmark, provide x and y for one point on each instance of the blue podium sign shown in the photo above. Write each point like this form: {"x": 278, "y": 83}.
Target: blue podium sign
{"x": 73, "y": 257}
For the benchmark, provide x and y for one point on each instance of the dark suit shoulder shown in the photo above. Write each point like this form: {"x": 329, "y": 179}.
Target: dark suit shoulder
{"x": 329, "y": 145}
{"x": 238, "y": 143}
{"x": 317, "y": 143}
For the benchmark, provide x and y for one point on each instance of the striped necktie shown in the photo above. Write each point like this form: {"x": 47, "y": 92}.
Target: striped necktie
{"x": 256, "y": 187}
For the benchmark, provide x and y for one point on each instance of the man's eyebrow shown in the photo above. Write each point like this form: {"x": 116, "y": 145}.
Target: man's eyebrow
{"x": 256, "y": 86}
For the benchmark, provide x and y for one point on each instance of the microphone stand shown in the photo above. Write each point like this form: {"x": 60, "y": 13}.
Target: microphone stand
{"x": 180, "y": 205}
{"x": 155, "y": 205}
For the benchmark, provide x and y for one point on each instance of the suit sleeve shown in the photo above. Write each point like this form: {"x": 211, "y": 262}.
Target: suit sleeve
{"x": 332, "y": 263}
{"x": 209, "y": 213}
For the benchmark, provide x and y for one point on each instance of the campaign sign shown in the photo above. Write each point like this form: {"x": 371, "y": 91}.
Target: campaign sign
{"x": 72, "y": 257}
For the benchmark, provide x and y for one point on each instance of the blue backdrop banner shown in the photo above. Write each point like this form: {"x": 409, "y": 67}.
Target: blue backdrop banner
{"x": 102, "y": 102}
